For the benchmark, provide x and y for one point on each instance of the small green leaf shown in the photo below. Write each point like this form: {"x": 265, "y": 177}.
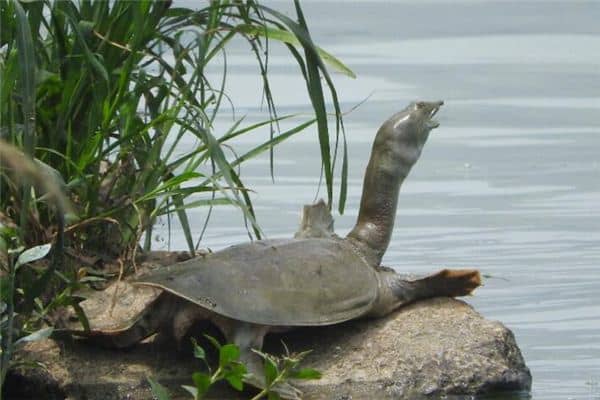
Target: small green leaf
{"x": 235, "y": 375}
{"x": 235, "y": 381}
{"x": 202, "y": 382}
{"x": 198, "y": 351}
{"x": 213, "y": 341}
{"x": 271, "y": 370}
{"x": 37, "y": 335}
{"x": 192, "y": 390}
{"x": 306, "y": 373}
{"x": 33, "y": 254}
{"x": 158, "y": 391}
{"x": 227, "y": 354}
{"x": 238, "y": 368}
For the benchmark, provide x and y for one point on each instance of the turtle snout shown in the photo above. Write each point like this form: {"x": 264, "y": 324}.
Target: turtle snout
{"x": 431, "y": 109}
{"x": 436, "y": 107}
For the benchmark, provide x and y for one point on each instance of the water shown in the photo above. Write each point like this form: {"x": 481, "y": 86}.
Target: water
{"x": 508, "y": 184}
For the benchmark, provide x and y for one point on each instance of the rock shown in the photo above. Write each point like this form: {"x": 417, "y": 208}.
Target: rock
{"x": 434, "y": 347}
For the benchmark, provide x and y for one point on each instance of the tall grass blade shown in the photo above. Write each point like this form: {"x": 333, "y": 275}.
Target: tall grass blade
{"x": 284, "y": 36}
{"x": 26, "y": 56}
{"x": 82, "y": 28}
{"x": 314, "y": 67}
{"x": 26, "y": 53}
{"x": 184, "y": 221}
{"x": 344, "y": 179}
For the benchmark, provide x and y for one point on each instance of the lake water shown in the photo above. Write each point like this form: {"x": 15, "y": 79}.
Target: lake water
{"x": 510, "y": 182}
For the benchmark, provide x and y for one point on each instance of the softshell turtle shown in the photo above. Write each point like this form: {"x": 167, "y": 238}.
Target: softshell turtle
{"x": 317, "y": 278}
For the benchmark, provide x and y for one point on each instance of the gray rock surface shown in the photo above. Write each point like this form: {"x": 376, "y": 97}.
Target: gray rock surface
{"x": 435, "y": 347}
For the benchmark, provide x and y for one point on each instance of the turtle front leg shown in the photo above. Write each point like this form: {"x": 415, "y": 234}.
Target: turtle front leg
{"x": 247, "y": 337}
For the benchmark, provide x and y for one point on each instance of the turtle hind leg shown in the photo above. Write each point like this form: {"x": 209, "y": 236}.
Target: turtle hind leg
{"x": 184, "y": 315}
{"x": 447, "y": 282}
{"x": 249, "y": 336}
{"x": 396, "y": 290}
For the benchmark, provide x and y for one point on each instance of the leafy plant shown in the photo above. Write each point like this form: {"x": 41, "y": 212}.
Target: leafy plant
{"x": 230, "y": 369}
{"x": 276, "y": 371}
{"x": 10, "y": 335}
{"x": 22, "y": 312}
{"x": 105, "y": 93}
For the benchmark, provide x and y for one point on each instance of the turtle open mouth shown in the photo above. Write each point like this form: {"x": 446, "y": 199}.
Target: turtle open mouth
{"x": 435, "y": 107}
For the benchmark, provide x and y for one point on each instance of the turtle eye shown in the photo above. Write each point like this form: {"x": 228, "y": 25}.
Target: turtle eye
{"x": 420, "y": 104}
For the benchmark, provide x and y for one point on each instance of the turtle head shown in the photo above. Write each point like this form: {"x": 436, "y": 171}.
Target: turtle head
{"x": 413, "y": 124}
{"x": 404, "y": 134}
{"x": 422, "y": 112}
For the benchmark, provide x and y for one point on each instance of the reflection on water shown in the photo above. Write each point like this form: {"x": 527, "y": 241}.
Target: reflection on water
{"x": 510, "y": 183}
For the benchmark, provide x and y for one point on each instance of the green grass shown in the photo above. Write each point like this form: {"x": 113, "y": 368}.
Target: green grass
{"x": 98, "y": 97}
{"x": 78, "y": 95}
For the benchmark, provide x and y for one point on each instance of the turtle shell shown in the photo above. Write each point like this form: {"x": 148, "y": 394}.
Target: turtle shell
{"x": 296, "y": 282}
